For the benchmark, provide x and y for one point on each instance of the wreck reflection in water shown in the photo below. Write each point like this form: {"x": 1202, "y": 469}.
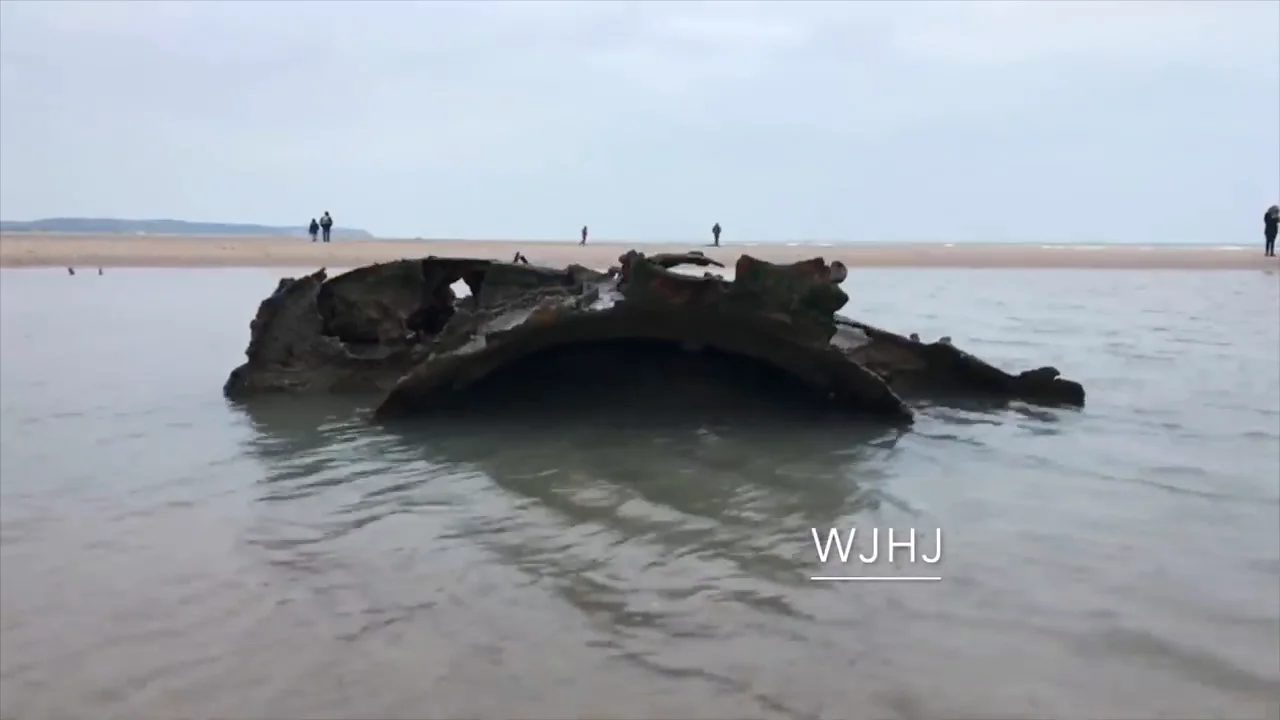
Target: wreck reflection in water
{"x": 739, "y": 490}
{"x": 605, "y": 546}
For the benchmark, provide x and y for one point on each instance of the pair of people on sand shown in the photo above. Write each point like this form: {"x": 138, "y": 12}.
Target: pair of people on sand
{"x": 325, "y": 225}
{"x": 715, "y": 233}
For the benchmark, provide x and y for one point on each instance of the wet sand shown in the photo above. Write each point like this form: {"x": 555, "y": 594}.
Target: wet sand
{"x": 50, "y": 250}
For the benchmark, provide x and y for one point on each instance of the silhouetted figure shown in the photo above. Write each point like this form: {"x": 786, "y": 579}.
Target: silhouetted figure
{"x": 71, "y": 271}
{"x": 519, "y": 258}
{"x": 1270, "y": 225}
{"x": 715, "y": 233}
{"x": 326, "y": 225}
{"x": 99, "y": 271}
{"x": 584, "y": 235}
{"x": 314, "y": 229}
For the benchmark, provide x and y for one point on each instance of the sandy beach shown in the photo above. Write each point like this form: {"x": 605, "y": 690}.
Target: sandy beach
{"x": 50, "y": 250}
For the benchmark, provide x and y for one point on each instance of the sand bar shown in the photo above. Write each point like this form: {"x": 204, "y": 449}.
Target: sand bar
{"x": 52, "y": 250}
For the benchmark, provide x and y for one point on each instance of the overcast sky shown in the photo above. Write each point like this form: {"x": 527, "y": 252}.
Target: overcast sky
{"x": 956, "y": 121}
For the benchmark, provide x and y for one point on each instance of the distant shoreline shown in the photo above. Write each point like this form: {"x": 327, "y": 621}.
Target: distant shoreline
{"x": 293, "y": 237}
{"x": 18, "y": 250}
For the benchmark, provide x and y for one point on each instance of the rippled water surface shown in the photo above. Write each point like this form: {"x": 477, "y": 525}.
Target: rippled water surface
{"x": 166, "y": 554}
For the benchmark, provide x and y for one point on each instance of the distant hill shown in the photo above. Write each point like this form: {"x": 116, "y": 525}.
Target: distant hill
{"x": 165, "y": 227}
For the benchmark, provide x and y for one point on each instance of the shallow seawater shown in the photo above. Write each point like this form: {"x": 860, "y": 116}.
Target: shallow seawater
{"x": 165, "y": 553}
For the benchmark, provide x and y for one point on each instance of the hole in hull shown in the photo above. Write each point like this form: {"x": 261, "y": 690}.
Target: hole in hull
{"x": 636, "y": 378}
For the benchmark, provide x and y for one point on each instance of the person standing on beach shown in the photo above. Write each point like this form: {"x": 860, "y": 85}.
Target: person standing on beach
{"x": 326, "y": 224}
{"x": 584, "y": 235}
{"x": 715, "y": 233}
{"x": 314, "y": 229}
{"x": 1270, "y": 226}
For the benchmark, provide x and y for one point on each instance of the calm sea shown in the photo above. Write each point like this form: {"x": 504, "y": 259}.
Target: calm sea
{"x": 167, "y": 554}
